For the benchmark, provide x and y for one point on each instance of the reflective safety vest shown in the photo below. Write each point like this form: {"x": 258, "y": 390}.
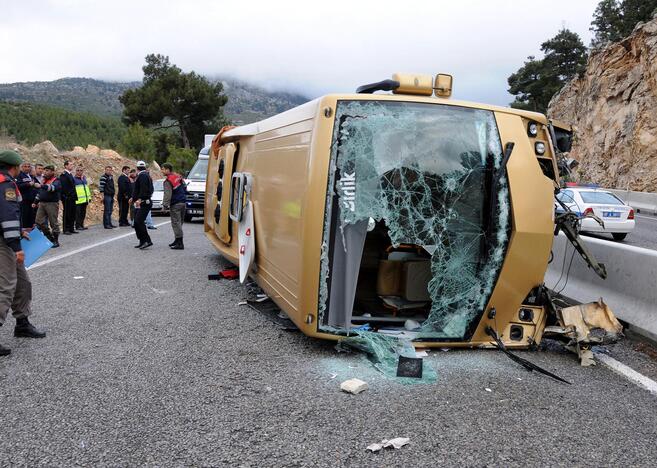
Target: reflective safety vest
{"x": 82, "y": 190}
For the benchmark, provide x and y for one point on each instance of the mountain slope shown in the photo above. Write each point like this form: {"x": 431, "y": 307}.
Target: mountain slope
{"x": 246, "y": 103}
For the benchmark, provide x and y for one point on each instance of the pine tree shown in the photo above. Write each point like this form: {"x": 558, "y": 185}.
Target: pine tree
{"x": 614, "y": 20}
{"x": 170, "y": 98}
{"x": 534, "y": 84}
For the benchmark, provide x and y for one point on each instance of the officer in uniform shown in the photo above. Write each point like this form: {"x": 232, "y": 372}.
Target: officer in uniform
{"x": 15, "y": 286}
{"x": 175, "y": 198}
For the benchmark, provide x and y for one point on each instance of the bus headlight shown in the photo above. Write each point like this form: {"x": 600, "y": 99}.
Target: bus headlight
{"x": 539, "y": 147}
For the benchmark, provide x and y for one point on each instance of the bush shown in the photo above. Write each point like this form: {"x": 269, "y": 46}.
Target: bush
{"x": 181, "y": 159}
{"x": 138, "y": 143}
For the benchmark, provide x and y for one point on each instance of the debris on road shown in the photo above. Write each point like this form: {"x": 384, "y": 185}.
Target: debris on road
{"x": 353, "y": 386}
{"x": 390, "y": 353}
{"x": 228, "y": 273}
{"x": 78, "y": 277}
{"x": 409, "y": 367}
{"x": 584, "y": 325}
{"x": 396, "y": 443}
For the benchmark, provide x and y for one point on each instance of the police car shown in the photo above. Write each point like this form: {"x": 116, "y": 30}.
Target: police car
{"x": 616, "y": 215}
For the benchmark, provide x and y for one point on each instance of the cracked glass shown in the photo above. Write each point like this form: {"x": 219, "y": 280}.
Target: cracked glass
{"x": 426, "y": 171}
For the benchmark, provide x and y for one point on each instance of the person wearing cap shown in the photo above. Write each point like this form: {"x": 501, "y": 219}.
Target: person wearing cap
{"x": 175, "y": 197}
{"x": 84, "y": 198}
{"x": 141, "y": 197}
{"x": 15, "y": 285}
{"x": 46, "y": 204}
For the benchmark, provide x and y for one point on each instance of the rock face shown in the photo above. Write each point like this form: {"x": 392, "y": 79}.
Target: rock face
{"x": 614, "y": 107}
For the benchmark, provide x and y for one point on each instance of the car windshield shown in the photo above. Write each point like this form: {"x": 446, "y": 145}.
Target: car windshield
{"x": 200, "y": 170}
{"x": 158, "y": 185}
{"x": 605, "y": 198}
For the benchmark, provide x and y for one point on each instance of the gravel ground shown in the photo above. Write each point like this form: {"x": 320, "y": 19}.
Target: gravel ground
{"x": 148, "y": 363}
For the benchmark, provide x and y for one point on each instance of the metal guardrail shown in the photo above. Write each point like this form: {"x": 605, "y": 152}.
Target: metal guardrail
{"x": 630, "y": 288}
{"x": 640, "y": 201}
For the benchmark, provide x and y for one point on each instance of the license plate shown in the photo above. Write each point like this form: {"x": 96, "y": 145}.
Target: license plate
{"x": 198, "y": 212}
{"x": 610, "y": 214}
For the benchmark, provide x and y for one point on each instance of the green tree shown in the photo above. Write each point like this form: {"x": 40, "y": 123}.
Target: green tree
{"x": 170, "y": 98}
{"x": 614, "y": 20}
{"x": 565, "y": 55}
{"x": 182, "y": 159}
{"x": 138, "y": 143}
{"x": 538, "y": 80}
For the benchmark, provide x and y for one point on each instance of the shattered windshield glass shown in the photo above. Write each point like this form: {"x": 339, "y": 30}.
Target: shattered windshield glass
{"x": 426, "y": 171}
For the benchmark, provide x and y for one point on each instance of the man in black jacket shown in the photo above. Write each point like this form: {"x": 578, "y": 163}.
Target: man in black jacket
{"x": 69, "y": 197}
{"x": 125, "y": 192}
{"x": 106, "y": 187}
{"x": 141, "y": 197}
{"x": 28, "y": 187}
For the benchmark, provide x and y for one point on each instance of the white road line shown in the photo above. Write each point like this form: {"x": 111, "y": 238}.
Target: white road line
{"x": 651, "y": 218}
{"x": 627, "y": 372}
{"x": 86, "y": 247}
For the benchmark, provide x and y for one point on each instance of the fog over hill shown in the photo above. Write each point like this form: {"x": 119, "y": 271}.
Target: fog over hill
{"x": 246, "y": 103}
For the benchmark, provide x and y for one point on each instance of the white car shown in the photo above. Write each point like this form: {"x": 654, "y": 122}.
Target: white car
{"x": 617, "y": 216}
{"x": 157, "y": 197}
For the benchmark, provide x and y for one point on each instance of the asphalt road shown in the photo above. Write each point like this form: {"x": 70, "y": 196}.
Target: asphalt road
{"x": 644, "y": 234}
{"x": 147, "y": 362}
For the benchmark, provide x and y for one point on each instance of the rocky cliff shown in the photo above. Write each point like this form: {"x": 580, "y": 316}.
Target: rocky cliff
{"x": 614, "y": 107}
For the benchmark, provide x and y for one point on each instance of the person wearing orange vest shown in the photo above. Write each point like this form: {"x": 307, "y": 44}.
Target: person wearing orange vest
{"x": 15, "y": 285}
{"x": 175, "y": 197}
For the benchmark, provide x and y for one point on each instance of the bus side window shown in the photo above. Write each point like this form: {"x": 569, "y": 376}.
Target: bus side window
{"x": 220, "y": 183}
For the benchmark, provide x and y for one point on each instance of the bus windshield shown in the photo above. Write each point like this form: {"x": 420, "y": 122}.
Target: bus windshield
{"x": 418, "y": 175}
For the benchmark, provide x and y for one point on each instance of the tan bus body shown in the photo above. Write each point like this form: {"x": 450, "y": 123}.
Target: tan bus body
{"x": 288, "y": 160}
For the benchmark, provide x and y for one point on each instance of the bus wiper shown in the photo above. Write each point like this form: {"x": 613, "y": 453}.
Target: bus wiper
{"x": 499, "y": 344}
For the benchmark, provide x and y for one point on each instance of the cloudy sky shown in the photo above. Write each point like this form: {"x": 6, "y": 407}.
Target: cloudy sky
{"x": 313, "y": 47}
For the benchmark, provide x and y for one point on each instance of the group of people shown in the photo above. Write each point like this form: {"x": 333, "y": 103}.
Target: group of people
{"x": 30, "y": 196}
{"x": 42, "y": 192}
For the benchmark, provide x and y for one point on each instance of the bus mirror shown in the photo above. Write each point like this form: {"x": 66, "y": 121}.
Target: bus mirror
{"x": 443, "y": 85}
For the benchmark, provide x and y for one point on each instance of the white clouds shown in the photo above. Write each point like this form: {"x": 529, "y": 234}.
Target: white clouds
{"x": 316, "y": 47}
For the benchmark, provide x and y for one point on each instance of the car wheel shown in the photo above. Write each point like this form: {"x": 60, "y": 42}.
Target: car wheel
{"x": 619, "y": 236}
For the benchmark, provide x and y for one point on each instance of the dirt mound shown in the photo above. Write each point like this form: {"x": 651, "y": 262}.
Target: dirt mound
{"x": 93, "y": 159}
{"x": 614, "y": 107}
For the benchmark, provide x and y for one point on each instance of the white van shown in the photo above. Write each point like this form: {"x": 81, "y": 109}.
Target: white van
{"x": 196, "y": 185}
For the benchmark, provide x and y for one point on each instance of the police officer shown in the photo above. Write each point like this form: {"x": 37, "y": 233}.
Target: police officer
{"x": 15, "y": 286}
{"x": 141, "y": 197}
{"x": 46, "y": 204}
{"x": 175, "y": 197}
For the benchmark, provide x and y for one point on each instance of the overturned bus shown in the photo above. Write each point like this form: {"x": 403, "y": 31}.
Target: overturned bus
{"x": 396, "y": 210}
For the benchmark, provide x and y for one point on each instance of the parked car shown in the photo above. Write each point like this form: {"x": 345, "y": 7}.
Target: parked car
{"x": 617, "y": 216}
{"x": 158, "y": 196}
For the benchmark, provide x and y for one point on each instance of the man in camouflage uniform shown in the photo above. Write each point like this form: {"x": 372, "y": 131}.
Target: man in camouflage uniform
{"x": 15, "y": 285}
